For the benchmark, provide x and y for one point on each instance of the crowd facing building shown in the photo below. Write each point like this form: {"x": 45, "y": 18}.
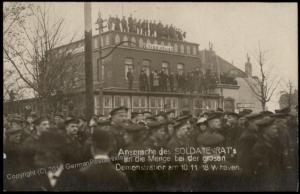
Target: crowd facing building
{"x": 68, "y": 153}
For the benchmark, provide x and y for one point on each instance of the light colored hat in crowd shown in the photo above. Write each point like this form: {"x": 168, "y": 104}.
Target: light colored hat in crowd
{"x": 201, "y": 120}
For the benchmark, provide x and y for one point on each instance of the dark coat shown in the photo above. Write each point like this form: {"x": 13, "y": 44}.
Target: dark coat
{"x": 69, "y": 180}
{"x": 267, "y": 166}
{"x": 104, "y": 177}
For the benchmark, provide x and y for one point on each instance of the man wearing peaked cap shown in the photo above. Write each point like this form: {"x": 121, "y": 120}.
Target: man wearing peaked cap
{"x": 266, "y": 113}
{"x": 59, "y": 121}
{"x": 266, "y": 157}
{"x": 214, "y": 121}
{"x": 161, "y": 116}
{"x": 182, "y": 133}
{"x": 147, "y": 114}
{"x": 265, "y": 122}
{"x": 158, "y": 134}
{"x": 245, "y": 112}
{"x": 51, "y": 152}
{"x": 137, "y": 117}
{"x": 215, "y": 115}
{"x": 232, "y": 114}
{"x": 118, "y": 110}
{"x": 232, "y": 131}
{"x": 41, "y": 125}
{"x": 118, "y": 119}
{"x": 201, "y": 121}
{"x": 253, "y": 116}
{"x": 16, "y": 122}
{"x": 212, "y": 136}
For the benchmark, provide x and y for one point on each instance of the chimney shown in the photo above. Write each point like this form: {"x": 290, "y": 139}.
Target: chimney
{"x": 248, "y": 67}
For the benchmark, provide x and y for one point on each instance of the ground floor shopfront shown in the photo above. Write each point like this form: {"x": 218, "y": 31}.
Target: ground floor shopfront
{"x": 136, "y": 101}
{"x": 157, "y": 101}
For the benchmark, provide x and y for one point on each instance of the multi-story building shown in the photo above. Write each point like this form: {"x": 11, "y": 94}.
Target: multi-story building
{"x": 148, "y": 53}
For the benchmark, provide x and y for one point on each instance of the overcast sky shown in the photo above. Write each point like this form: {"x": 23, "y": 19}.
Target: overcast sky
{"x": 234, "y": 28}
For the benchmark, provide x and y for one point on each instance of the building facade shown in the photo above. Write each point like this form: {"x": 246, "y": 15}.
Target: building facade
{"x": 141, "y": 53}
{"x": 122, "y": 51}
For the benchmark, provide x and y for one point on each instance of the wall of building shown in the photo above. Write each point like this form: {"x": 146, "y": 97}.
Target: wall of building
{"x": 242, "y": 96}
{"x": 247, "y": 97}
{"x": 155, "y": 58}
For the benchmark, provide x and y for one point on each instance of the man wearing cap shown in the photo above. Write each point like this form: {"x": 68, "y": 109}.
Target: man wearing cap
{"x": 59, "y": 122}
{"x": 157, "y": 136}
{"x": 246, "y": 142}
{"x": 212, "y": 136}
{"x": 71, "y": 129}
{"x": 118, "y": 119}
{"x": 157, "y": 140}
{"x": 182, "y": 136}
{"x": 287, "y": 145}
{"x": 29, "y": 121}
{"x": 137, "y": 117}
{"x": 41, "y": 125}
{"x": 265, "y": 157}
{"x": 232, "y": 130}
{"x": 75, "y": 147}
{"x": 202, "y": 124}
{"x": 14, "y": 153}
{"x": 147, "y": 114}
{"x": 56, "y": 175}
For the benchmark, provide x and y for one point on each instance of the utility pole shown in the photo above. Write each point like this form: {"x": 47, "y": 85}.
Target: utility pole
{"x": 89, "y": 87}
{"x": 100, "y": 30}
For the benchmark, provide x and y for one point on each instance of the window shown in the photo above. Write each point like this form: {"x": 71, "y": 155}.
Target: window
{"x": 165, "y": 67}
{"x": 96, "y": 41}
{"x": 117, "y": 39}
{"x": 175, "y": 47}
{"x": 155, "y": 104}
{"x": 194, "y": 50}
{"x": 141, "y": 43}
{"x": 188, "y": 50}
{"x": 146, "y": 66}
{"x": 102, "y": 74}
{"x": 139, "y": 103}
{"x": 121, "y": 101}
{"x": 180, "y": 68}
{"x": 128, "y": 66}
{"x": 107, "y": 104}
{"x": 96, "y": 106}
{"x": 103, "y": 40}
{"x": 133, "y": 44}
{"x": 182, "y": 49}
{"x": 106, "y": 40}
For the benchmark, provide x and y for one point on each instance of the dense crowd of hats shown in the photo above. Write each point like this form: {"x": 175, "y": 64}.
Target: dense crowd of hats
{"x": 249, "y": 132}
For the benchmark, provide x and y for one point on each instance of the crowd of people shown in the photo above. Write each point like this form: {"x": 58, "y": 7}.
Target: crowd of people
{"x": 54, "y": 151}
{"x": 145, "y": 28}
{"x": 161, "y": 81}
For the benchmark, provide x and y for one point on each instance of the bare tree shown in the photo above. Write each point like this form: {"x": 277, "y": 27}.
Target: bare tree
{"x": 12, "y": 88}
{"x": 263, "y": 86}
{"x": 287, "y": 97}
{"x": 38, "y": 64}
